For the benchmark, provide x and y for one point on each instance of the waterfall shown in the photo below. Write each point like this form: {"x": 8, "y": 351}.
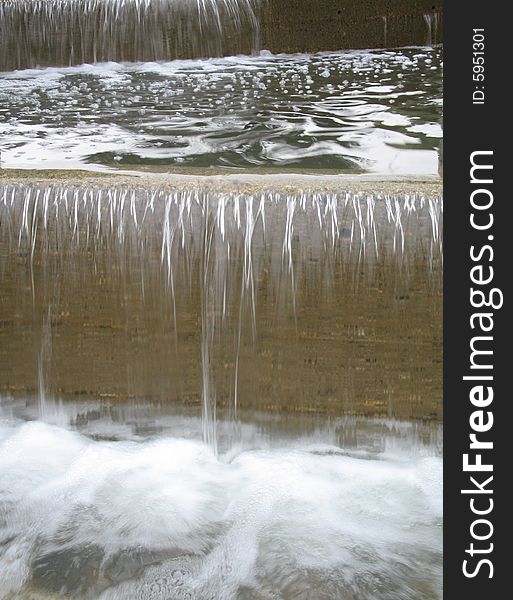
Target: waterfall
{"x": 223, "y": 273}
{"x": 38, "y": 33}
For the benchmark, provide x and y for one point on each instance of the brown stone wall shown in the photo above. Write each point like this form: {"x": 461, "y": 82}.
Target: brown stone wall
{"x": 316, "y": 25}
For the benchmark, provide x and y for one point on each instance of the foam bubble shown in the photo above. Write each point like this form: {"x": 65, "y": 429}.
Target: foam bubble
{"x": 166, "y": 518}
{"x": 233, "y": 111}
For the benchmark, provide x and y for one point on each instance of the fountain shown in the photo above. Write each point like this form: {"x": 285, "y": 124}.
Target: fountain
{"x": 221, "y": 280}
{"x": 224, "y": 308}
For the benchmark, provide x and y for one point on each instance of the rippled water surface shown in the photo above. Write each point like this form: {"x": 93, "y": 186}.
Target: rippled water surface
{"x": 377, "y": 111}
{"x": 125, "y": 502}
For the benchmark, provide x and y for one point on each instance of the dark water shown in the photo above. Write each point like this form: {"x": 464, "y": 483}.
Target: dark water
{"x": 373, "y": 111}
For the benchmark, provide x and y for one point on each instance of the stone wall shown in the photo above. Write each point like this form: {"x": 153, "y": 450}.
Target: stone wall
{"x": 316, "y": 25}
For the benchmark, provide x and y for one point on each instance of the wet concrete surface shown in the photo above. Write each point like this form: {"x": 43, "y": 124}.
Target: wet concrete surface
{"x": 353, "y": 331}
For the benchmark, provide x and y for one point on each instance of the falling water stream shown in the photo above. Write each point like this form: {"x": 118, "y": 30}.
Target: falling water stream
{"x": 221, "y": 279}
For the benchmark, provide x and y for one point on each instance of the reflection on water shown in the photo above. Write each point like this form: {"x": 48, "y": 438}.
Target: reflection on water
{"x": 113, "y": 501}
{"x": 376, "y": 111}
{"x": 308, "y": 301}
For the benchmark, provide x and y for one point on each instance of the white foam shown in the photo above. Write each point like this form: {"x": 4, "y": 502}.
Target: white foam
{"x": 307, "y": 518}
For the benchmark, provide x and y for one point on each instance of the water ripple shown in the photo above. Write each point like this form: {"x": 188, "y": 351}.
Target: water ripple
{"x": 376, "y": 111}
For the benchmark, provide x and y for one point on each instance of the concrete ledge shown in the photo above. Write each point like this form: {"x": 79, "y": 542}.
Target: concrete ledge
{"x": 227, "y": 183}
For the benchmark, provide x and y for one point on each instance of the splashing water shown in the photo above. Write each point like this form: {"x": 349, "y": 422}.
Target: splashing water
{"x": 177, "y": 298}
{"x": 97, "y": 502}
{"x": 162, "y": 517}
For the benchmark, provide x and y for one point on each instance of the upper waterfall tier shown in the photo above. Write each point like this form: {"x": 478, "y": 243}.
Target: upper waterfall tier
{"x": 67, "y": 32}
{"x": 39, "y": 33}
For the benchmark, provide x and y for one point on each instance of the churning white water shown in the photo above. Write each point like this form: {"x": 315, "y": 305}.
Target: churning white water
{"x": 161, "y": 517}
